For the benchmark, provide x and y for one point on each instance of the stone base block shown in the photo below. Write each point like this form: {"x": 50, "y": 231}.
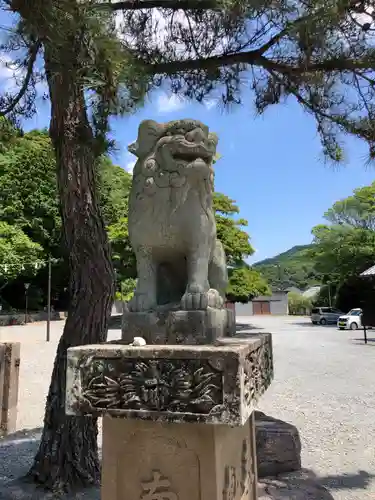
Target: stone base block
{"x": 151, "y": 326}
{"x": 212, "y": 384}
{"x": 278, "y": 446}
{"x": 178, "y": 327}
{"x": 159, "y": 461}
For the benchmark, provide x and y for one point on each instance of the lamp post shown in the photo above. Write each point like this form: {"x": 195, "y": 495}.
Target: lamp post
{"x": 49, "y": 300}
{"x": 27, "y": 285}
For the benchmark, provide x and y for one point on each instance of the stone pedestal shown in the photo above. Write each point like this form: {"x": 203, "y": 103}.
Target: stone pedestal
{"x": 178, "y": 327}
{"x": 157, "y": 460}
{"x": 178, "y": 419}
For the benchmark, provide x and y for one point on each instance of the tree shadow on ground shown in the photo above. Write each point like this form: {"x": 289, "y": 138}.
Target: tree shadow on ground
{"x": 241, "y": 327}
{"x": 358, "y": 480}
{"x": 310, "y": 325}
{"x": 22, "y": 435}
{"x": 18, "y": 450}
{"x": 307, "y": 485}
{"x": 361, "y": 342}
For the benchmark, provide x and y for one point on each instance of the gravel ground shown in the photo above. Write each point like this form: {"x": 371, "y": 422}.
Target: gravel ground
{"x": 323, "y": 385}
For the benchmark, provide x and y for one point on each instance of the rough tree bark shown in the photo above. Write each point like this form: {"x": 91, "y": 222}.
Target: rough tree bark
{"x": 68, "y": 456}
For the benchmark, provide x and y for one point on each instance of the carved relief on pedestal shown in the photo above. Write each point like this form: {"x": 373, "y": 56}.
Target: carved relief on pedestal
{"x": 211, "y": 384}
{"x": 247, "y": 469}
{"x": 258, "y": 372}
{"x": 239, "y": 479}
{"x": 230, "y": 483}
{"x": 152, "y": 385}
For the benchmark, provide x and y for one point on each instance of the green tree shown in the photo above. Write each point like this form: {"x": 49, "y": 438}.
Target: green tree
{"x": 229, "y": 230}
{"x": 245, "y": 284}
{"x": 298, "y": 304}
{"x": 28, "y": 190}
{"x": 29, "y": 201}
{"x": 346, "y": 246}
{"x": 122, "y": 252}
{"x": 127, "y": 288}
{"x": 341, "y": 251}
{"x": 113, "y": 187}
{"x": 8, "y": 134}
{"x": 357, "y": 211}
{"x": 18, "y": 253}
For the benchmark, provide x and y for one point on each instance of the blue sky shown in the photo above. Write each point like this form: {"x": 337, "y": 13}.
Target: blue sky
{"x": 272, "y": 165}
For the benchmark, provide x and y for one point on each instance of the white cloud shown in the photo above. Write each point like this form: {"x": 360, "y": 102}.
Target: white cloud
{"x": 129, "y": 166}
{"x": 365, "y": 18}
{"x": 42, "y": 88}
{"x": 12, "y": 77}
{"x": 210, "y": 103}
{"x": 169, "y": 104}
{"x": 128, "y": 161}
{"x": 161, "y": 25}
{"x": 9, "y": 74}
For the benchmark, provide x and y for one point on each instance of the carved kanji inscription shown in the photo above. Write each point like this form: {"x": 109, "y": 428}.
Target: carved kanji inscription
{"x": 158, "y": 488}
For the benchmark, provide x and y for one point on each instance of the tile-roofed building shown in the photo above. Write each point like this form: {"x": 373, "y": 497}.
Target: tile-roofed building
{"x": 369, "y": 272}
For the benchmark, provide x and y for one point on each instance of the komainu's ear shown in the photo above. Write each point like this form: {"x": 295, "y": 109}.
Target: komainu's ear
{"x": 213, "y": 137}
{"x": 149, "y": 132}
{"x": 132, "y": 148}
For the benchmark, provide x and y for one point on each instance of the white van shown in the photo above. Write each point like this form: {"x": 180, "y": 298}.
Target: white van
{"x": 350, "y": 321}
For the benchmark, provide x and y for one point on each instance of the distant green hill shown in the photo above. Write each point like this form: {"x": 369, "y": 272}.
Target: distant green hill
{"x": 290, "y": 268}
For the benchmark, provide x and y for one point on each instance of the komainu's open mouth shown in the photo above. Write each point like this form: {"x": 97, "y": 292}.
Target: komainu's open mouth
{"x": 190, "y": 152}
{"x": 190, "y": 157}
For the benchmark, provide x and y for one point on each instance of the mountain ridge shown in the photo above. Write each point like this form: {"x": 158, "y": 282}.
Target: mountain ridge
{"x": 286, "y": 254}
{"x": 290, "y": 268}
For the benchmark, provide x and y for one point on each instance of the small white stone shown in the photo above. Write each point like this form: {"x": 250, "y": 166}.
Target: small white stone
{"x": 138, "y": 341}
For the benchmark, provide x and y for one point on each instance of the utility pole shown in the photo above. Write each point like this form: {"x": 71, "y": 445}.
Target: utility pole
{"x": 49, "y": 299}
{"x": 279, "y": 275}
{"x": 26, "y": 300}
{"x": 329, "y": 295}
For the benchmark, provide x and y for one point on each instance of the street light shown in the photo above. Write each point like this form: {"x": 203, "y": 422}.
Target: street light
{"x": 329, "y": 294}
{"x": 279, "y": 275}
{"x": 27, "y": 285}
{"x": 48, "y": 332}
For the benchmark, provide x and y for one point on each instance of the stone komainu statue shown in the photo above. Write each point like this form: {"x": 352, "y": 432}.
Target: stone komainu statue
{"x": 172, "y": 225}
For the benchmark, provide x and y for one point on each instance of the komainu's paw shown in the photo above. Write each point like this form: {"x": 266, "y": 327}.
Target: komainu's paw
{"x": 141, "y": 302}
{"x": 195, "y": 299}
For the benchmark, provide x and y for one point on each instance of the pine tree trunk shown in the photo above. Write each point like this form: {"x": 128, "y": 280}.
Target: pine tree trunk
{"x": 68, "y": 454}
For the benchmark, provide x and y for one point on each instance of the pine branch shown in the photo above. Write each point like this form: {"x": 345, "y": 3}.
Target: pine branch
{"x": 33, "y": 53}
{"x": 255, "y": 58}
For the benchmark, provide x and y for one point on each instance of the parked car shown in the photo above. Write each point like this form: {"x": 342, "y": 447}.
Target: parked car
{"x": 350, "y": 321}
{"x": 325, "y": 315}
